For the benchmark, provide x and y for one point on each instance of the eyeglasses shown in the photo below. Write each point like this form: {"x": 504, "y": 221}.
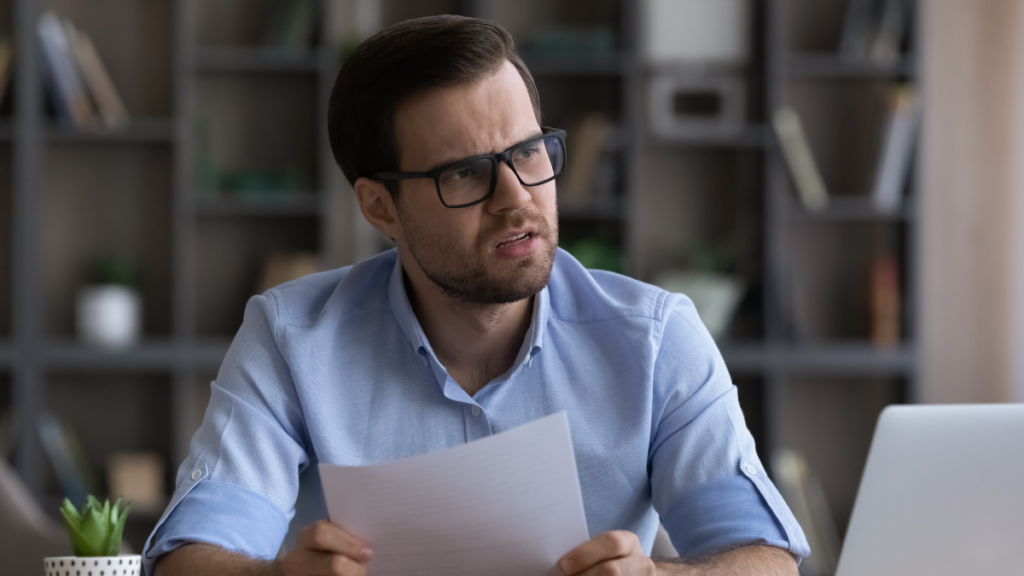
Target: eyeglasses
{"x": 472, "y": 180}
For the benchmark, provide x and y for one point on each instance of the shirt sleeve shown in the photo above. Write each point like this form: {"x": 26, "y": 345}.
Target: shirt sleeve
{"x": 237, "y": 487}
{"x": 707, "y": 482}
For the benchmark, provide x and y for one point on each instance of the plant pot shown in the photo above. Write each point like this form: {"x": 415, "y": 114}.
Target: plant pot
{"x": 109, "y": 315}
{"x": 124, "y": 565}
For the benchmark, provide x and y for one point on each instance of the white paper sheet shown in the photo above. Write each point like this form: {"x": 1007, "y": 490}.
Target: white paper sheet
{"x": 506, "y": 504}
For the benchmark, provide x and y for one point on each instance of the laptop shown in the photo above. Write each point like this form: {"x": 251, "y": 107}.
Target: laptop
{"x": 942, "y": 494}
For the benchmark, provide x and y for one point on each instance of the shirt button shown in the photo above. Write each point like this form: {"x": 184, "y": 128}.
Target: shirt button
{"x": 197, "y": 474}
{"x": 476, "y": 410}
{"x": 751, "y": 470}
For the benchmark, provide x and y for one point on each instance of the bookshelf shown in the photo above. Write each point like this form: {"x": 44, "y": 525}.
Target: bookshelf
{"x": 187, "y": 68}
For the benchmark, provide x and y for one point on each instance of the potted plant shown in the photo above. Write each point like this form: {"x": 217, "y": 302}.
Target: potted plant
{"x": 109, "y": 305}
{"x": 95, "y": 535}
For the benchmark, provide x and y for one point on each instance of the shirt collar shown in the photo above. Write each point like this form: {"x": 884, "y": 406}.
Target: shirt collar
{"x": 406, "y": 318}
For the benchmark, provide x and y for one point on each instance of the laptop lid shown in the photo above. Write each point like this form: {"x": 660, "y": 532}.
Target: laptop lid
{"x": 942, "y": 494}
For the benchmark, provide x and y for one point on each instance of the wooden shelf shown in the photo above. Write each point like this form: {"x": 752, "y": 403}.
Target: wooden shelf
{"x": 847, "y": 209}
{"x": 153, "y": 130}
{"x": 752, "y": 136}
{"x": 830, "y": 65}
{"x": 842, "y": 358}
{"x": 256, "y": 59}
{"x": 147, "y": 355}
{"x": 302, "y": 204}
{"x": 612, "y": 210}
{"x": 576, "y": 64}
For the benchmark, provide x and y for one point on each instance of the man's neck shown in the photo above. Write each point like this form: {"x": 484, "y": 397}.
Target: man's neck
{"x": 475, "y": 342}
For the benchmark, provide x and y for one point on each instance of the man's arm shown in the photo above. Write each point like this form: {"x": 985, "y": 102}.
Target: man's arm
{"x": 620, "y": 552}
{"x": 746, "y": 560}
{"x": 320, "y": 549}
{"x": 209, "y": 560}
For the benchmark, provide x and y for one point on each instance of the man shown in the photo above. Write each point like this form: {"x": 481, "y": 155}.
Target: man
{"x": 475, "y": 324}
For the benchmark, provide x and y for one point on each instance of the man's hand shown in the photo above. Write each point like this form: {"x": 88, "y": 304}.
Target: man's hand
{"x": 324, "y": 549}
{"x": 615, "y": 552}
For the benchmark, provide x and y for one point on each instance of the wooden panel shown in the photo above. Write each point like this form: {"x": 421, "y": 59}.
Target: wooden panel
{"x": 844, "y": 121}
{"x": 394, "y": 11}
{"x": 261, "y": 121}
{"x": 682, "y": 196}
{"x": 828, "y": 277}
{"x": 830, "y": 421}
{"x": 6, "y": 244}
{"x": 233, "y": 22}
{"x": 814, "y": 25}
{"x": 106, "y": 199}
{"x": 230, "y": 255}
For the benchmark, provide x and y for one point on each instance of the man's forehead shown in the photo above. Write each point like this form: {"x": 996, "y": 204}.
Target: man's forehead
{"x": 446, "y": 124}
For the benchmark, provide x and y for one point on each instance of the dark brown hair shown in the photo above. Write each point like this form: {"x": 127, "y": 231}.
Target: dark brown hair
{"x": 398, "y": 63}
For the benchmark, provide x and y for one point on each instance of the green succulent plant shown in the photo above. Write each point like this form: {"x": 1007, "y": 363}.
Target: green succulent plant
{"x": 96, "y": 531}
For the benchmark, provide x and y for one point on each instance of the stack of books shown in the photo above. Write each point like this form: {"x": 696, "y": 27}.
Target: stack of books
{"x": 82, "y": 91}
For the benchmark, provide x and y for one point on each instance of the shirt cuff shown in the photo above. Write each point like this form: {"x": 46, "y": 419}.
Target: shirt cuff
{"x": 725, "y": 513}
{"x": 223, "y": 514}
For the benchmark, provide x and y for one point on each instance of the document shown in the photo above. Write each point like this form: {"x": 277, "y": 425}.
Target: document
{"x": 509, "y": 504}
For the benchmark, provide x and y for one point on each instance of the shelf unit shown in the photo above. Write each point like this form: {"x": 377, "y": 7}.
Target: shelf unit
{"x": 72, "y": 193}
{"x": 203, "y": 247}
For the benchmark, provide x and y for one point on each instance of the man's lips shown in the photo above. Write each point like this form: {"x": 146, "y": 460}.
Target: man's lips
{"x": 510, "y": 237}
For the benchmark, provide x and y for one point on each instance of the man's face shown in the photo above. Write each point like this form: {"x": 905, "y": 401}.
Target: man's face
{"x": 466, "y": 251}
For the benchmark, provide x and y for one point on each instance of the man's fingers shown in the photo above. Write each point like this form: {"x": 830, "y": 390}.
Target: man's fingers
{"x": 327, "y": 564}
{"x": 327, "y": 537}
{"x": 603, "y": 547}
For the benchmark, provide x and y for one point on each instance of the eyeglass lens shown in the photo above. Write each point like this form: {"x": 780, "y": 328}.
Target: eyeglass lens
{"x": 534, "y": 162}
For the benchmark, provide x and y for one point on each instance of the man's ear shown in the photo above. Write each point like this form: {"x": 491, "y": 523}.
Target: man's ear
{"x": 378, "y": 207}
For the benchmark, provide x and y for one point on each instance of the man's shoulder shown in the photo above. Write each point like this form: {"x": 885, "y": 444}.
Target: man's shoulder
{"x": 348, "y": 290}
{"x": 580, "y": 294}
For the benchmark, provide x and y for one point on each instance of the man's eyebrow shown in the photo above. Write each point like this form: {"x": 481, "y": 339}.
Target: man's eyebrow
{"x": 454, "y": 159}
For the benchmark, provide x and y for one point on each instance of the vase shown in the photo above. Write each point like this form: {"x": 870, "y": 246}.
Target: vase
{"x": 109, "y": 315}
{"x": 125, "y": 565}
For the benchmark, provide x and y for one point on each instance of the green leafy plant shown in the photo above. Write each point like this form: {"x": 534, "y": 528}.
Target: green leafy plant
{"x": 111, "y": 269}
{"x": 96, "y": 531}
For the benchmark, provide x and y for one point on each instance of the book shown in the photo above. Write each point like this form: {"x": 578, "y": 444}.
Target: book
{"x": 577, "y": 188}
{"x": 802, "y": 491}
{"x": 885, "y": 302}
{"x": 69, "y": 96}
{"x": 6, "y": 65}
{"x": 858, "y": 29}
{"x": 113, "y": 114}
{"x": 281, "y": 267}
{"x": 897, "y": 149}
{"x": 65, "y": 454}
{"x": 292, "y": 26}
{"x": 892, "y": 26}
{"x": 797, "y": 152}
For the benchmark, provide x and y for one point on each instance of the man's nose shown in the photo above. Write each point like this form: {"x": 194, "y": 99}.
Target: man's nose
{"x": 509, "y": 193}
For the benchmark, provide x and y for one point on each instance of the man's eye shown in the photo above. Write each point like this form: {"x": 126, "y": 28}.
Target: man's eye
{"x": 464, "y": 173}
{"x": 528, "y": 152}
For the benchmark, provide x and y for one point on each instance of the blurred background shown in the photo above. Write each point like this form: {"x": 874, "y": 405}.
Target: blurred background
{"x": 836, "y": 183}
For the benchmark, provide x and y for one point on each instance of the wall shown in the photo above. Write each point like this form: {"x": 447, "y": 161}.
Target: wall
{"x": 971, "y": 195}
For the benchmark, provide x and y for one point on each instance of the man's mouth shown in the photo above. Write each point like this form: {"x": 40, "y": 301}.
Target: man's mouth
{"x": 514, "y": 239}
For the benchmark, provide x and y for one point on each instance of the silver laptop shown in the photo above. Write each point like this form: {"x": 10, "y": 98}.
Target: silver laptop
{"x": 942, "y": 494}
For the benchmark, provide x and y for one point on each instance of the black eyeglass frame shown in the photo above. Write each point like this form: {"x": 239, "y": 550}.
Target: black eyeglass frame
{"x": 495, "y": 159}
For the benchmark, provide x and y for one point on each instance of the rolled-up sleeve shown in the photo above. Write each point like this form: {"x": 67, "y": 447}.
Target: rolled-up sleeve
{"x": 237, "y": 487}
{"x": 707, "y": 483}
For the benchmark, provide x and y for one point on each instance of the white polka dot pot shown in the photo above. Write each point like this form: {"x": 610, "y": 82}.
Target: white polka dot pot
{"x": 127, "y": 565}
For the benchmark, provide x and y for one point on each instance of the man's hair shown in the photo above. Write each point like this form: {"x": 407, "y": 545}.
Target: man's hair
{"x": 398, "y": 63}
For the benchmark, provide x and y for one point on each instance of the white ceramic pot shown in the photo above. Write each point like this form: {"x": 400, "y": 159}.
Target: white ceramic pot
{"x": 109, "y": 315}
{"x": 125, "y": 565}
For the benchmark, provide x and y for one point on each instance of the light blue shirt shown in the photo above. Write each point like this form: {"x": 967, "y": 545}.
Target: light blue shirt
{"x": 335, "y": 368}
